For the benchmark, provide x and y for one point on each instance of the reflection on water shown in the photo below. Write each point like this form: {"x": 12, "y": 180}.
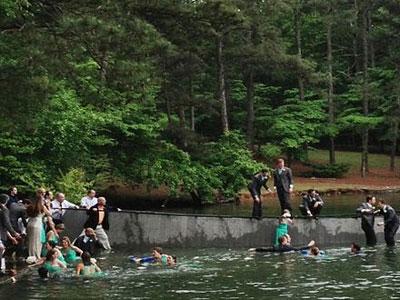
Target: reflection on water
{"x": 337, "y": 205}
{"x": 229, "y": 274}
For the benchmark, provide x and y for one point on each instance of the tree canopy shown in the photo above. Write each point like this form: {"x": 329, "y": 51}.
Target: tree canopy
{"x": 185, "y": 94}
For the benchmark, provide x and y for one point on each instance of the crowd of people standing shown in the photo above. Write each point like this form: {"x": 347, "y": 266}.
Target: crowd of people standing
{"x": 31, "y": 230}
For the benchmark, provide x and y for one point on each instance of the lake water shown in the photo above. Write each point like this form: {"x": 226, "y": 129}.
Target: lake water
{"x": 229, "y": 274}
{"x": 337, "y": 205}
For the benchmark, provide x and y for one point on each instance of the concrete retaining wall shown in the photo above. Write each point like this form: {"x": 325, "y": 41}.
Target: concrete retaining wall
{"x": 147, "y": 229}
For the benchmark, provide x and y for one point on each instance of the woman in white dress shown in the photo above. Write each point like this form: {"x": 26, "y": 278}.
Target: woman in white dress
{"x": 35, "y": 230}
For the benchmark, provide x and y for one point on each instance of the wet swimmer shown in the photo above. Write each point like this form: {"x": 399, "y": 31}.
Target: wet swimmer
{"x": 355, "y": 248}
{"x": 157, "y": 257}
{"x": 52, "y": 264}
{"x": 88, "y": 266}
{"x": 284, "y": 246}
{"x": 69, "y": 251}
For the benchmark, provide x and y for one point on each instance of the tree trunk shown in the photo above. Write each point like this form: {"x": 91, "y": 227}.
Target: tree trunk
{"x": 221, "y": 84}
{"x": 355, "y": 39}
{"x": 395, "y": 136}
{"x": 192, "y": 114}
{"x": 297, "y": 25}
{"x": 192, "y": 119}
{"x": 365, "y": 92}
{"x": 371, "y": 43}
{"x": 331, "y": 104}
{"x": 250, "y": 108}
{"x": 182, "y": 125}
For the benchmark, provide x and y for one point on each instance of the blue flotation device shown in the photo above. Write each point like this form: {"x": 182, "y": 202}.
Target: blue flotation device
{"x": 141, "y": 260}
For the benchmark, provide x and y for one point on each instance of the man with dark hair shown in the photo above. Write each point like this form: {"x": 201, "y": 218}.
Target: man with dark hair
{"x": 283, "y": 183}
{"x": 6, "y": 230}
{"x": 88, "y": 242}
{"x": 89, "y": 200}
{"x": 312, "y": 204}
{"x": 259, "y": 180}
{"x": 391, "y": 222}
{"x": 367, "y": 212}
{"x": 12, "y": 195}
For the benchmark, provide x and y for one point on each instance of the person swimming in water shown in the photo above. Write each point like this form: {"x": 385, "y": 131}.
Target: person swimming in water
{"x": 284, "y": 246}
{"x": 355, "y": 248}
{"x": 88, "y": 266}
{"x": 157, "y": 256}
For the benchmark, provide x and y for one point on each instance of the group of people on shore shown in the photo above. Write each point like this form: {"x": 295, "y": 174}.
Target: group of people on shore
{"x": 312, "y": 202}
{"x": 32, "y": 231}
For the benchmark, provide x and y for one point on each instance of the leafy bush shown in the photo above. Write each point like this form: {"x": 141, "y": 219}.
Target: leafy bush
{"x": 74, "y": 185}
{"x": 270, "y": 151}
{"x": 328, "y": 170}
{"x": 231, "y": 162}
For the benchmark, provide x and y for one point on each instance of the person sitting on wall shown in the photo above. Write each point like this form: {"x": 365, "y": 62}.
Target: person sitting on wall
{"x": 391, "y": 222}
{"x": 312, "y": 204}
{"x": 284, "y": 246}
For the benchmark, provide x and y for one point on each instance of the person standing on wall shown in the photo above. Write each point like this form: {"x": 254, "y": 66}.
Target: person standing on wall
{"x": 391, "y": 222}
{"x": 367, "y": 213}
{"x": 283, "y": 183}
{"x": 98, "y": 220}
{"x": 259, "y": 180}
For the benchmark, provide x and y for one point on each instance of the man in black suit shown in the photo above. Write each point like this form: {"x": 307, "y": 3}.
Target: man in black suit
{"x": 312, "y": 204}
{"x": 391, "y": 222}
{"x": 6, "y": 230}
{"x": 98, "y": 220}
{"x": 259, "y": 180}
{"x": 283, "y": 183}
{"x": 367, "y": 212}
{"x": 88, "y": 242}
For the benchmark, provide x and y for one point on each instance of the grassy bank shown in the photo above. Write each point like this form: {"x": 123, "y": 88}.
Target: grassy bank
{"x": 376, "y": 161}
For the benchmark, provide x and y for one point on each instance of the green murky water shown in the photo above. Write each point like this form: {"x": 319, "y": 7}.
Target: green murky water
{"x": 229, "y": 274}
{"x": 339, "y": 205}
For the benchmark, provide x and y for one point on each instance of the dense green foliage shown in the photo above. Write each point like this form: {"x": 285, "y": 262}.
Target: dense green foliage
{"x": 181, "y": 93}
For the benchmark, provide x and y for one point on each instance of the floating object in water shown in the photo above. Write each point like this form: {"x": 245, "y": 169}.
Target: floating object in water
{"x": 142, "y": 260}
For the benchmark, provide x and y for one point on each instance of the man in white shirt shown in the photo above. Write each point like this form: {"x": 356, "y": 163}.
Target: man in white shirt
{"x": 58, "y": 207}
{"x": 89, "y": 200}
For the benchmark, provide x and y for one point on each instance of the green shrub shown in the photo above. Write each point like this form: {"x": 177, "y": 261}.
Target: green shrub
{"x": 74, "y": 185}
{"x": 270, "y": 151}
{"x": 328, "y": 170}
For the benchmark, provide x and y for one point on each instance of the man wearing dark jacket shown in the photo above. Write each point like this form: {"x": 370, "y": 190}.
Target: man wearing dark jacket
{"x": 88, "y": 242}
{"x": 284, "y": 246}
{"x": 367, "y": 213}
{"x": 312, "y": 204}
{"x": 391, "y": 222}
{"x": 283, "y": 183}
{"x": 98, "y": 220}
{"x": 259, "y": 180}
{"x": 6, "y": 229}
